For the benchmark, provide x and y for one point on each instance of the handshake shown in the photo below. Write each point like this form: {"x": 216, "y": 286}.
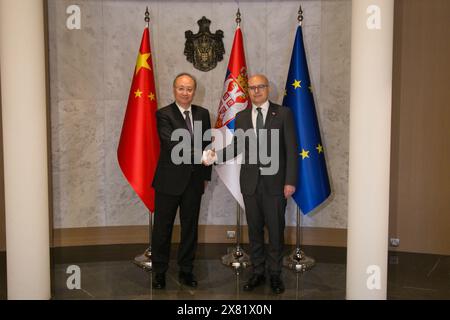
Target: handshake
{"x": 209, "y": 157}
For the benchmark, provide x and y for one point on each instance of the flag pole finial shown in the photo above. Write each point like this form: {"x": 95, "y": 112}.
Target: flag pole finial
{"x": 147, "y": 16}
{"x": 300, "y": 16}
{"x": 238, "y": 17}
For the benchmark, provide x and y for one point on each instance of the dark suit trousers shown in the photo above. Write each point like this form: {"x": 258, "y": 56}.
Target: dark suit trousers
{"x": 262, "y": 209}
{"x": 165, "y": 211}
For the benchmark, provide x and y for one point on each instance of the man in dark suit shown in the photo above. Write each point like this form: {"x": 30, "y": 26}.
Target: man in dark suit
{"x": 265, "y": 185}
{"x": 179, "y": 185}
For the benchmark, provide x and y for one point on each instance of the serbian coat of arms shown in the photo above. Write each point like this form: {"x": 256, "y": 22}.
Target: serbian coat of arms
{"x": 234, "y": 98}
{"x": 204, "y": 49}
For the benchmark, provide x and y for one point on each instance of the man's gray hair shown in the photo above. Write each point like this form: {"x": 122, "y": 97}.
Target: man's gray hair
{"x": 185, "y": 74}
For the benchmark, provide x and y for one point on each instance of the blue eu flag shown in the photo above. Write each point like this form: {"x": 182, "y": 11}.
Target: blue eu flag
{"x": 313, "y": 185}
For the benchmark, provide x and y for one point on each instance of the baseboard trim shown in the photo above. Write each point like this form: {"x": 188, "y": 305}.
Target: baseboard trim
{"x": 67, "y": 237}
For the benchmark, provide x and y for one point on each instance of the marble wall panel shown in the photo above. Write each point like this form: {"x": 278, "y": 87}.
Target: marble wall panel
{"x": 77, "y": 56}
{"x": 123, "y": 206}
{"x": 90, "y": 77}
{"x": 78, "y": 164}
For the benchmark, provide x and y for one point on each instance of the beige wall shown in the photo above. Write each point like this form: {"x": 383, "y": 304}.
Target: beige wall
{"x": 420, "y": 175}
{"x": 89, "y": 79}
{"x": 90, "y": 74}
{"x": 2, "y": 190}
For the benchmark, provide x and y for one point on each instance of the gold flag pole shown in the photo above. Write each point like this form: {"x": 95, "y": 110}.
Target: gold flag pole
{"x": 144, "y": 260}
{"x": 236, "y": 257}
{"x": 297, "y": 260}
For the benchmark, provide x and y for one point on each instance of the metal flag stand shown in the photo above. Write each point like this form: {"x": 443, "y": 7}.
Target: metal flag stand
{"x": 144, "y": 260}
{"x": 298, "y": 286}
{"x": 297, "y": 260}
{"x": 236, "y": 257}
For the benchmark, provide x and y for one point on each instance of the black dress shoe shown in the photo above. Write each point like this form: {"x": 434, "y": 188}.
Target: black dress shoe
{"x": 159, "y": 282}
{"x": 254, "y": 281}
{"x": 188, "y": 279}
{"x": 276, "y": 284}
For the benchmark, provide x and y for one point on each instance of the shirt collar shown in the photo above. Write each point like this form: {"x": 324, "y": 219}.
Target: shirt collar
{"x": 182, "y": 110}
{"x": 264, "y": 107}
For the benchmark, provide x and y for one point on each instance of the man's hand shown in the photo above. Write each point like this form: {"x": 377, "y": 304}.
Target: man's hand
{"x": 209, "y": 157}
{"x": 288, "y": 191}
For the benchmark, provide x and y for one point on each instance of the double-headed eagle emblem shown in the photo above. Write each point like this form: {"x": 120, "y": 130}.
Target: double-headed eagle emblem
{"x": 204, "y": 49}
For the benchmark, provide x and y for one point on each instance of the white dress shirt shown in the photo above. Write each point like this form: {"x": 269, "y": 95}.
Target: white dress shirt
{"x": 182, "y": 110}
{"x": 264, "y": 109}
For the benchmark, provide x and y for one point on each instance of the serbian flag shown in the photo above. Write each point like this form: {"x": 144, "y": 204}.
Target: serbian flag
{"x": 234, "y": 99}
{"x": 138, "y": 150}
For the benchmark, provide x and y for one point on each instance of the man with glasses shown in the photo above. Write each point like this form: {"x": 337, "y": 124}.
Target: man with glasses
{"x": 265, "y": 192}
{"x": 178, "y": 185}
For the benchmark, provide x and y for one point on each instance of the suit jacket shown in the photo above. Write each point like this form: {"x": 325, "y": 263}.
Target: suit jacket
{"x": 279, "y": 118}
{"x": 171, "y": 178}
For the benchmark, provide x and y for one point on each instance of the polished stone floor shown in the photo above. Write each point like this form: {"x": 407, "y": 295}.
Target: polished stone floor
{"x": 107, "y": 272}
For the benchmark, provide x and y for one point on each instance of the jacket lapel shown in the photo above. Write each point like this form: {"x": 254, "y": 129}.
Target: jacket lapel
{"x": 271, "y": 113}
{"x": 195, "y": 114}
{"x": 179, "y": 118}
{"x": 248, "y": 120}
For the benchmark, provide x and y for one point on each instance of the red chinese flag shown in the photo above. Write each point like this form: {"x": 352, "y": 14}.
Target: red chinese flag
{"x": 138, "y": 150}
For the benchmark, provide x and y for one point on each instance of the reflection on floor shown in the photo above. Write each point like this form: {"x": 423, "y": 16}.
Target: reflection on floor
{"x": 108, "y": 273}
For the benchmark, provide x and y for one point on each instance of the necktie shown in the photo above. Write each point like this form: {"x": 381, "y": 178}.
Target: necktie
{"x": 259, "y": 126}
{"x": 188, "y": 122}
{"x": 259, "y": 121}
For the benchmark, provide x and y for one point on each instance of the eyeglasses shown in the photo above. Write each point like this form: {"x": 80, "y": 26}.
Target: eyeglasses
{"x": 182, "y": 89}
{"x": 259, "y": 87}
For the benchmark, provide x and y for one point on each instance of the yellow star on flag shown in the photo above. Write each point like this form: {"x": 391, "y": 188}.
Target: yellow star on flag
{"x": 137, "y": 93}
{"x": 141, "y": 62}
{"x": 297, "y": 84}
{"x": 310, "y": 88}
{"x": 304, "y": 154}
{"x": 151, "y": 96}
{"x": 319, "y": 148}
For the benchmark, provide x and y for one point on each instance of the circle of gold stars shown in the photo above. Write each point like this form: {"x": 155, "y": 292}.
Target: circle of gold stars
{"x": 305, "y": 153}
